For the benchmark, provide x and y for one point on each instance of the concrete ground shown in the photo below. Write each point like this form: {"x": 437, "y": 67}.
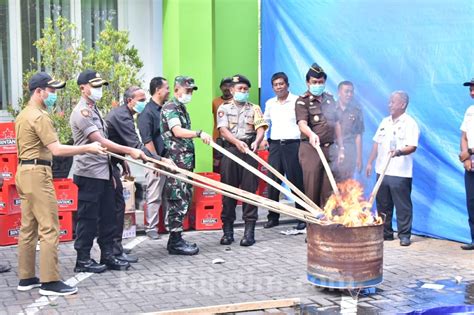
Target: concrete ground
{"x": 274, "y": 268}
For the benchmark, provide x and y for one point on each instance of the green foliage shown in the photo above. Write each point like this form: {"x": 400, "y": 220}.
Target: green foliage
{"x": 61, "y": 54}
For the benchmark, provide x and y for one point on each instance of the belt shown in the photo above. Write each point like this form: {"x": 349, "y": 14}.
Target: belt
{"x": 227, "y": 144}
{"x": 283, "y": 141}
{"x": 327, "y": 144}
{"x": 36, "y": 162}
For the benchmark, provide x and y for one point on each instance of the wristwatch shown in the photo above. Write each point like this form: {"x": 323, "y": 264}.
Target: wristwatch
{"x": 469, "y": 151}
{"x": 198, "y": 133}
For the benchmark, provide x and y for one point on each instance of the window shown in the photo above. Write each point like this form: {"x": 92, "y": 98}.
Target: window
{"x": 34, "y": 13}
{"x": 4, "y": 57}
{"x": 94, "y": 15}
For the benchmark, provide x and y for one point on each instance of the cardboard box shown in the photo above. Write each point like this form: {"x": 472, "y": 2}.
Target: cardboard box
{"x": 129, "y": 225}
{"x": 129, "y": 193}
{"x": 7, "y": 137}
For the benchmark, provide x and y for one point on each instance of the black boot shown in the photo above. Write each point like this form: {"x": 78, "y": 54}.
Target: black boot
{"x": 113, "y": 263}
{"x": 228, "y": 236}
{"x": 249, "y": 234}
{"x": 178, "y": 246}
{"x": 89, "y": 265}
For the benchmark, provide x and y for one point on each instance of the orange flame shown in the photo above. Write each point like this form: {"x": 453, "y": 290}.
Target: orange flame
{"x": 350, "y": 209}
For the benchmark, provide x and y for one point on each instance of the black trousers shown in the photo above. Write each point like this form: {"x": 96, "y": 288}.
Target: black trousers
{"x": 284, "y": 158}
{"x": 96, "y": 209}
{"x": 396, "y": 191}
{"x": 237, "y": 176}
{"x": 119, "y": 211}
{"x": 469, "y": 182}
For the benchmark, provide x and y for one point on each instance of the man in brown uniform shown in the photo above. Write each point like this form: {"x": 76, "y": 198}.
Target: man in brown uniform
{"x": 242, "y": 126}
{"x": 317, "y": 119}
{"x": 37, "y": 141}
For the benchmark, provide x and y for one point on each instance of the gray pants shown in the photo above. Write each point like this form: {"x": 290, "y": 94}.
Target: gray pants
{"x": 154, "y": 190}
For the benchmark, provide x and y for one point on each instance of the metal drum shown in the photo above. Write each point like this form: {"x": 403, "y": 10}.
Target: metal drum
{"x": 345, "y": 257}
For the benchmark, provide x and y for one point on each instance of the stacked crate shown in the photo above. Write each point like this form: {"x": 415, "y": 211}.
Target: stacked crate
{"x": 262, "y": 188}
{"x": 206, "y": 208}
{"x": 10, "y": 203}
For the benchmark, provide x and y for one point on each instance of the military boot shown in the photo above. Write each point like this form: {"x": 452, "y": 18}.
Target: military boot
{"x": 249, "y": 234}
{"x": 178, "y": 246}
{"x": 228, "y": 236}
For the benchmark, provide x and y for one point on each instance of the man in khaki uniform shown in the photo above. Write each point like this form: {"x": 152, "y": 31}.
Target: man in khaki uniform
{"x": 37, "y": 141}
{"x": 242, "y": 126}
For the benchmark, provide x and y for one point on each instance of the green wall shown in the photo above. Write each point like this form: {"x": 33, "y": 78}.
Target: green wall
{"x": 207, "y": 40}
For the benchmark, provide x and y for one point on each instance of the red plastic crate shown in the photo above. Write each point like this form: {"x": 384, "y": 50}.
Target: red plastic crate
{"x": 10, "y": 202}
{"x": 65, "y": 226}
{"x": 206, "y": 215}
{"x": 202, "y": 194}
{"x": 161, "y": 223}
{"x": 9, "y": 229}
{"x": 8, "y": 165}
{"x": 7, "y": 137}
{"x": 66, "y": 194}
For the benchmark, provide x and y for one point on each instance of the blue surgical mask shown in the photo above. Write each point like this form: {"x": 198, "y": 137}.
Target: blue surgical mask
{"x": 185, "y": 98}
{"x": 317, "y": 89}
{"x": 241, "y": 97}
{"x": 50, "y": 100}
{"x": 139, "y": 107}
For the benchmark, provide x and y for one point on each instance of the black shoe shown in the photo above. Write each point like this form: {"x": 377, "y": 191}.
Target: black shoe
{"x": 468, "y": 246}
{"x": 113, "y": 263}
{"x": 57, "y": 288}
{"x": 89, "y": 266}
{"x": 28, "y": 284}
{"x": 126, "y": 257}
{"x": 271, "y": 223}
{"x": 300, "y": 226}
{"x": 178, "y": 246}
{"x": 249, "y": 234}
{"x": 405, "y": 241}
{"x": 127, "y": 250}
{"x": 228, "y": 237}
{"x": 5, "y": 268}
{"x": 388, "y": 237}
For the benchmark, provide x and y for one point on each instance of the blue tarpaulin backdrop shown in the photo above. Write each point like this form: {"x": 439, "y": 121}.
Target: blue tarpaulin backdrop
{"x": 425, "y": 47}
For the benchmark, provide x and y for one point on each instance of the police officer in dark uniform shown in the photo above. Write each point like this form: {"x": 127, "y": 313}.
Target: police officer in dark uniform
{"x": 93, "y": 176}
{"x": 242, "y": 126}
{"x": 317, "y": 119}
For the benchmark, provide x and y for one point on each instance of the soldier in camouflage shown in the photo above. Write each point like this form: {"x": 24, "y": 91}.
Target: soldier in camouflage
{"x": 177, "y": 135}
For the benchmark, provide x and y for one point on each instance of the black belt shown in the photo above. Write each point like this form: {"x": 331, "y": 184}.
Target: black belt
{"x": 283, "y": 141}
{"x": 36, "y": 162}
{"x": 249, "y": 141}
{"x": 327, "y": 144}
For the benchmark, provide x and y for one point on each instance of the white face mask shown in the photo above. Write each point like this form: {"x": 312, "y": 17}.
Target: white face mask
{"x": 96, "y": 94}
{"x": 185, "y": 98}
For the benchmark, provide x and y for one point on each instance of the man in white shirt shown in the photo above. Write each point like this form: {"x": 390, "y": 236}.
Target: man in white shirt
{"x": 284, "y": 141}
{"x": 466, "y": 157}
{"x": 397, "y": 135}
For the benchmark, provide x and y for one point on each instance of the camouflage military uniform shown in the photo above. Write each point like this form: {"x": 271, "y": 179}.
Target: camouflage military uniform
{"x": 177, "y": 194}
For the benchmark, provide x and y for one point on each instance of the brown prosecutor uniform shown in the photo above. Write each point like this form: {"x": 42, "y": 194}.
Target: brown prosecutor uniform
{"x": 39, "y": 212}
{"x": 320, "y": 114}
{"x": 243, "y": 122}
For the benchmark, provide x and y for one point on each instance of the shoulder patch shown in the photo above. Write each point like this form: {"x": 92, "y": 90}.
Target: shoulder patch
{"x": 85, "y": 112}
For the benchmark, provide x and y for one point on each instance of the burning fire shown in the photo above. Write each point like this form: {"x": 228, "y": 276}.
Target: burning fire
{"x": 350, "y": 209}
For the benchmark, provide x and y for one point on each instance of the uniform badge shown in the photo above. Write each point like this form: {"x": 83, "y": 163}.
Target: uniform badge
{"x": 316, "y": 118}
{"x": 85, "y": 113}
{"x": 300, "y": 103}
{"x": 220, "y": 114}
{"x": 328, "y": 101}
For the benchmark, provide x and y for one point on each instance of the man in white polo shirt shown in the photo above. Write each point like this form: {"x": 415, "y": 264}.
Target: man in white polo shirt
{"x": 397, "y": 135}
{"x": 466, "y": 157}
{"x": 284, "y": 141}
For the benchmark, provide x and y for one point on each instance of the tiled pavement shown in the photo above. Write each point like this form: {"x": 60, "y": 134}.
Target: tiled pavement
{"x": 274, "y": 268}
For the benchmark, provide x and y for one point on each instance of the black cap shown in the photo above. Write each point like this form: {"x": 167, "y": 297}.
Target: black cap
{"x": 91, "y": 77}
{"x": 471, "y": 83}
{"x": 316, "y": 71}
{"x": 186, "y": 82}
{"x": 226, "y": 80}
{"x": 43, "y": 80}
{"x": 238, "y": 78}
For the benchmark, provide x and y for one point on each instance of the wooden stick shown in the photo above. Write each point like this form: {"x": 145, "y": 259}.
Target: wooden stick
{"x": 265, "y": 178}
{"x": 282, "y": 178}
{"x": 233, "y": 308}
{"x": 328, "y": 170}
{"x": 238, "y": 194}
{"x": 378, "y": 183}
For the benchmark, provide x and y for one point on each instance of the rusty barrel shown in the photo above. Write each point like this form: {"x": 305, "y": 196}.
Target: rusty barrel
{"x": 345, "y": 257}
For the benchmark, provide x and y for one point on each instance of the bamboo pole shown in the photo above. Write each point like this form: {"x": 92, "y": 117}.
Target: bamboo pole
{"x": 374, "y": 192}
{"x": 328, "y": 170}
{"x": 282, "y": 178}
{"x": 266, "y": 178}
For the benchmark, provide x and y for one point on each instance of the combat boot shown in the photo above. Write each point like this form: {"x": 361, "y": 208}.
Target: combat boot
{"x": 228, "y": 236}
{"x": 113, "y": 263}
{"x": 249, "y": 234}
{"x": 178, "y": 246}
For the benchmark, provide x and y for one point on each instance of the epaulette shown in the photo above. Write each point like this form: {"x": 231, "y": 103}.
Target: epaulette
{"x": 305, "y": 95}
